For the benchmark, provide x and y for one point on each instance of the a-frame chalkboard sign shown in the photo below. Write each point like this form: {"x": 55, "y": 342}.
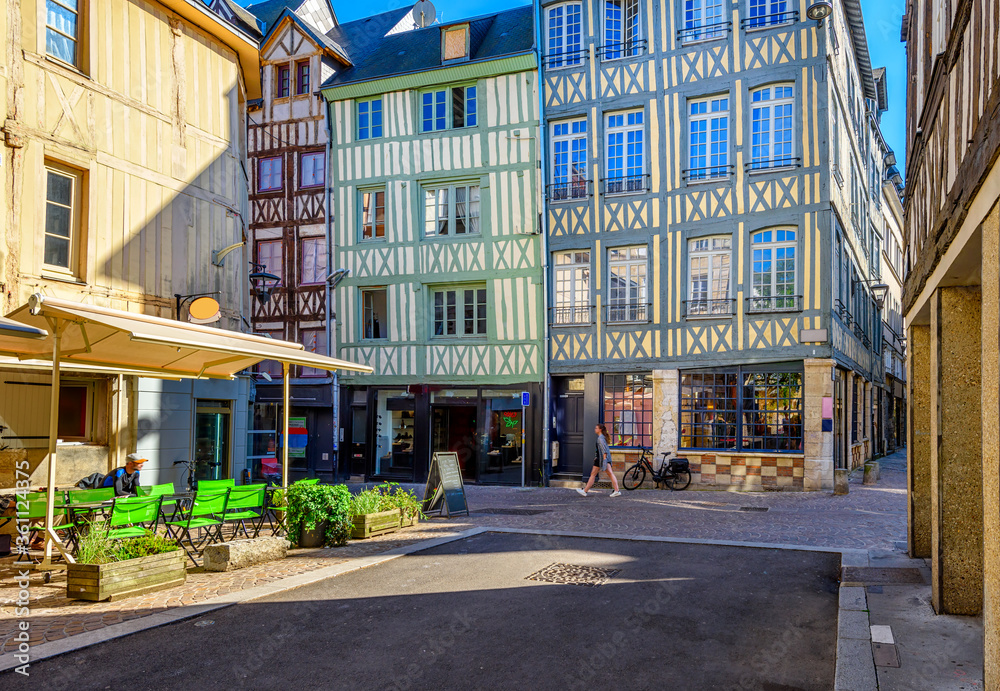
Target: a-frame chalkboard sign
{"x": 444, "y": 493}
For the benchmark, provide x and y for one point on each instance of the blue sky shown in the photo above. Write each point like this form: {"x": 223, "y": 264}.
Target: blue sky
{"x": 882, "y": 24}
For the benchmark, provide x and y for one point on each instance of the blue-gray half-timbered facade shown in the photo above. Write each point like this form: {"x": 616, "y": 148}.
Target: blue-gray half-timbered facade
{"x": 437, "y": 210}
{"x": 711, "y": 173}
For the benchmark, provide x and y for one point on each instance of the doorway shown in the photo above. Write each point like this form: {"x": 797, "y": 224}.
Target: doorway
{"x": 212, "y": 427}
{"x": 570, "y": 422}
{"x": 453, "y": 428}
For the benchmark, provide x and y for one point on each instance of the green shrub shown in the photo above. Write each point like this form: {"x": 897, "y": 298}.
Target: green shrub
{"x": 386, "y": 497}
{"x": 338, "y": 532}
{"x": 310, "y": 505}
{"x": 96, "y": 547}
{"x": 145, "y": 546}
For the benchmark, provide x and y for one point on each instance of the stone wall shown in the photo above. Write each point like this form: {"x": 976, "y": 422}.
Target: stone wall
{"x": 991, "y": 444}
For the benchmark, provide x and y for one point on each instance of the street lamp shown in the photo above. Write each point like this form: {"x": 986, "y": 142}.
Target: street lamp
{"x": 262, "y": 283}
{"x": 819, "y": 10}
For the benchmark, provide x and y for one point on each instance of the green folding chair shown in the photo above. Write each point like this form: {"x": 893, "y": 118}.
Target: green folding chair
{"x": 165, "y": 490}
{"x": 206, "y": 515}
{"x": 215, "y": 485}
{"x": 134, "y": 516}
{"x": 246, "y": 503}
{"x": 84, "y": 516}
{"x": 310, "y": 481}
{"x": 276, "y": 515}
{"x": 36, "y": 512}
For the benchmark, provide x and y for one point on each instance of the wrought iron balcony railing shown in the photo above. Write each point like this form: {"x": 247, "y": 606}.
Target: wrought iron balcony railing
{"x": 709, "y": 308}
{"x": 566, "y": 58}
{"x": 774, "y": 303}
{"x": 627, "y": 312}
{"x": 570, "y": 190}
{"x": 709, "y": 173}
{"x": 704, "y": 32}
{"x": 769, "y": 163}
{"x": 615, "y": 50}
{"x": 575, "y": 315}
{"x": 770, "y": 20}
{"x": 628, "y": 184}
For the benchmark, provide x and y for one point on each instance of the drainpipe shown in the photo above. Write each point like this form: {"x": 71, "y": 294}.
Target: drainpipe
{"x": 330, "y": 312}
{"x": 544, "y": 229}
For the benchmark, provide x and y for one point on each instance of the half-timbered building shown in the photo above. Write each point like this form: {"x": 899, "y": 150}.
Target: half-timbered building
{"x": 436, "y": 209}
{"x": 708, "y": 213}
{"x": 952, "y": 304}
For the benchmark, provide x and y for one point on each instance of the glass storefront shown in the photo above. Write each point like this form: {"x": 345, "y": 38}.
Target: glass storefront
{"x": 212, "y": 430}
{"x": 501, "y": 458}
{"x": 394, "y": 426}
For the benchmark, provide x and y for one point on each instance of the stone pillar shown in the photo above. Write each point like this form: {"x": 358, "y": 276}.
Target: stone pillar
{"x": 666, "y": 416}
{"x": 956, "y": 452}
{"x": 817, "y": 444}
{"x": 918, "y": 441}
{"x": 991, "y": 446}
{"x": 866, "y": 413}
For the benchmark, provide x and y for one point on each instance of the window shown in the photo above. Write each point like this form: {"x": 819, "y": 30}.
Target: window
{"x": 269, "y": 178}
{"x": 471, "y": 321}
{"x": 62, "y": 29}
{"x": 315, "y": 342}
{"x": 75, "y": 403}
{"x": 771, "y": 145}
{"x": 709, "y": 261}
{"x": 282, "y": 86}
{"x": 569, "y": 160}
{"x": 452, "y": 210}
{"x": 572, "y": 298}
{"x": 625, "y": 168}
{"x": 565, "y": 36}
{"x": 302, "y": 78}
{"x": 768, "y": 13}
{"x": 773, "y": 271}
{"x": 628, "y": 298}
{"x": 372, "y": 214}
{"x": 854, "y": 412}
{"x": 370, "y": 119}
{"x": 375, "y": 314}
{"x": 435, "y": 112}
{"x": 270, "y": 255}
{"x": 272, "y": 368}
{"x": 708, "y": 122}
{"x": 621, "y": 29}
{"x": 835, "y": 142}
{"x": 312, "y": 169}
{"x": 313, "y": 260}
{"x": 62, "y": 217}
{"x": 741, "y": 409}
{"x": 456, "y": 43}
{"x": 703, "y": 20}
{"x": 628, "y": 409}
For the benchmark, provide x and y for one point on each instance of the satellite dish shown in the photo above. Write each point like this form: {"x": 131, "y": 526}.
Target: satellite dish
{"x": 423, "y": 14}
{"x": 204, "y": 311}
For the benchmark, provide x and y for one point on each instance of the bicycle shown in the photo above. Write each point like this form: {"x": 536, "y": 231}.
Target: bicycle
{"x": 674, "y": 473}
{"x": 192, "y": 466}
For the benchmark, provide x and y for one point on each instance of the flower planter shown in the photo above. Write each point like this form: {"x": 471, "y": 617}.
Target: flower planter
{"x": 406, "y": 521}
{"x": 96, "y": 582}
{"x": 313, "y": 538}
{"x": 372, "y": 524}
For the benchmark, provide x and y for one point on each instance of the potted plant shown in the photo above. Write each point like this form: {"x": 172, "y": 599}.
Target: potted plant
{"x": 318, "y": 514}
{"x": 406, "y": 501}
{"x": 108, "y": 569}
{"x": 382, "y": 509}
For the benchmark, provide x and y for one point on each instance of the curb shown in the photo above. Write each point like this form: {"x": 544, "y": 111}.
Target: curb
{"x": 855, "y": 663}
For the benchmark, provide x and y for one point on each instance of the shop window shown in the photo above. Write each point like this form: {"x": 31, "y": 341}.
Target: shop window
{"x": 75, "y": 402}
{"x": 741, "y": 409}
{"x": 374, "y": 313}
{"x": 460, "y": 312}
{"x": 628, "y": 409}
{"x": 854, "y": 412}
{"x": 372, "y": 214}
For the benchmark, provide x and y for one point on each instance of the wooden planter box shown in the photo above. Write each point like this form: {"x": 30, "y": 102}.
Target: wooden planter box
{"x": 407, "y": 521}
{"x": 121, "y": 579}
{"x": 372, "y": 524}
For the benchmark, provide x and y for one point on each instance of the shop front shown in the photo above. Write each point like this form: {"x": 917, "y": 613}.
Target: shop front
{"x": 392, "y": 433}
{"x": 312, "y": 448}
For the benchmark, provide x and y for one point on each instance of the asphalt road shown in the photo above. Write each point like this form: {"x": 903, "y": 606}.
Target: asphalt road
{"x": 464, "y": 616}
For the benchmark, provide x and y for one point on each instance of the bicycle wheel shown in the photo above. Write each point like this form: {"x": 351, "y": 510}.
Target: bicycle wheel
{"x": 633, "y": 477}
{"x": 680, "y": 480}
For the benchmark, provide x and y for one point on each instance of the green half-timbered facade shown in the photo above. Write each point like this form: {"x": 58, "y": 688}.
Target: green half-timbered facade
{"x": 436, "y": 206}
{"x": 699, "y": 234}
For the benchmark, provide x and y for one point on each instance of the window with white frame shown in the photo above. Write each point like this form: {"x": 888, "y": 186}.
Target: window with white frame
{"x": 63, "y": 198}
{"x": 628, "y": 295}
{"x": 375, "y": 313}
{"x": 768, "y": 13}
{"x": 773, "y": 271}
{"x": 314, "y": 269}
{"x": 451, "y": 210}
{"x": 565, "y": 36}
{"x": 372, "y": 214}
{"x": 572, "y": 288}
{"x": 569, "y": 160}
{"x": 370, "y": 119}
{"x": 703, "y": 20}
{"x": 312, "y": 171}
{"x": 709, "y": 261}
{"x": 624, "y": 134}
{"x": 62, "y": 30}
{"x": 269, "y": 174}
{"x": 771, "y": 144}
{"x": 436, "y": 114}
{"x": 460, "y": 312}
{"x": 708, "y": 152}
{"x": 621, "y": 29}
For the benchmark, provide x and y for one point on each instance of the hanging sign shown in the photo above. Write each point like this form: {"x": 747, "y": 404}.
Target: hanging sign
{"x": 444, "y": 493}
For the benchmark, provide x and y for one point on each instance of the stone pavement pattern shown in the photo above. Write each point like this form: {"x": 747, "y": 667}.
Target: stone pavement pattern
{"x": 868, "y": 518}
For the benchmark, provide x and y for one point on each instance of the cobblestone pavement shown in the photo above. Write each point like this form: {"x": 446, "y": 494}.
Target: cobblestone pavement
{"x": 870, "y": 517}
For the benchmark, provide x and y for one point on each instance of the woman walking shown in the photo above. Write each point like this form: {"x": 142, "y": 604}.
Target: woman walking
{"x": 602, "y": 461}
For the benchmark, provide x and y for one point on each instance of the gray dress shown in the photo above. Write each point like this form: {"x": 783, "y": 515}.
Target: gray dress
{"x": 603, "y": 457}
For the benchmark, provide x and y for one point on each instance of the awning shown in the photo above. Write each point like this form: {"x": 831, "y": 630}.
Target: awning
{"x": 104, "y": 337}
{"x": 11, "y": 329}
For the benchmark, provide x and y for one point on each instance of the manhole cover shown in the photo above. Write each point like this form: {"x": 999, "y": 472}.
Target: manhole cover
{"x": 754, "y": 508}
{"x": 573, "y": 574}
{"x": 871, "y": 575}
{"x": 514, "y": 512}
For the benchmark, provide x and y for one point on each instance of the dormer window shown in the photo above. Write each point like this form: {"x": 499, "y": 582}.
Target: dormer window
{"x": 455, "y": 43}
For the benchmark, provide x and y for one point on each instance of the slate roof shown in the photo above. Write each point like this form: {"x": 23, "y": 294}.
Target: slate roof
{"x": 269, "y": 10}
{"x": 376, "y": 55}
{"x": 244, "y": 19}
{"x": 322, "y": 39}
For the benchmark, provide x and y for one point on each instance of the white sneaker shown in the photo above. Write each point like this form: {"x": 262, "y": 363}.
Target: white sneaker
{"x": 616, "y": 493}
{"x": 581, "y": 492}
